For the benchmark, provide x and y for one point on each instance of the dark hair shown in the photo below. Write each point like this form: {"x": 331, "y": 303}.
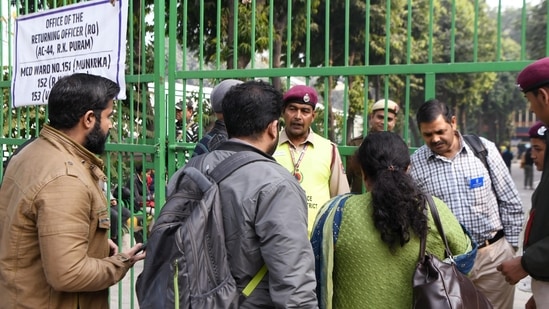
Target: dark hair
{"x": 430, "y": 110}
{"x": 248, "y": 108}
{"x": 73, "y": 95}
{"x": 535, "y": 91}
{"x": 398, "y": 204}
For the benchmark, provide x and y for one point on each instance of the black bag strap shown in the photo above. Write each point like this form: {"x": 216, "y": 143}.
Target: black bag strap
{"x": 221, "y": 171}
{"x": 234, "y": 162}
{"x": 438, "y": 224}
{"x": 19, "y": 148}
{"x": 478, "y": 148}
{"x": 481, "y": 153}
{"x": 198, "y": 177}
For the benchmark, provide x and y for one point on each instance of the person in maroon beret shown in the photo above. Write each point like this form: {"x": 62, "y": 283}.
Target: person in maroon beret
{"x": 313, "y": 160}
{"x": 533, "y": 81}
{"x": 538, "y": 144}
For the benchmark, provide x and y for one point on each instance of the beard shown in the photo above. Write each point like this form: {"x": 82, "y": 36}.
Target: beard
{"x": 95, "y": 140}
{"x": 273, "y": 146}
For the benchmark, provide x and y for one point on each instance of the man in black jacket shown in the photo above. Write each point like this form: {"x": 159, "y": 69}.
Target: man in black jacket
{"x": 218, "y": 134}
{"x": 534, "y": 83}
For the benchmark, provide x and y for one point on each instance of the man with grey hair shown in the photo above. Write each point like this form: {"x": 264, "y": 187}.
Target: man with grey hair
{"x": 483, "y": 196}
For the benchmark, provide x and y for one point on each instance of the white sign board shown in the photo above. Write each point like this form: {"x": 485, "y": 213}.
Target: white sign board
{"x": 87, "y": 37}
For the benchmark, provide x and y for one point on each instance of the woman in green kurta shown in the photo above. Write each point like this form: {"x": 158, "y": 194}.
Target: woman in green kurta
{"x": 377, "y": 248}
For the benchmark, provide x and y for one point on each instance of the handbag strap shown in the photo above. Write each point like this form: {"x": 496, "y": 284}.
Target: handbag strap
{"x": 438, "y": 224}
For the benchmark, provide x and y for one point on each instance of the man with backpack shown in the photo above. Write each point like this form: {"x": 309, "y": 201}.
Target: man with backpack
{"x": 256, "y": 226}
{"x": 477, "y": 188}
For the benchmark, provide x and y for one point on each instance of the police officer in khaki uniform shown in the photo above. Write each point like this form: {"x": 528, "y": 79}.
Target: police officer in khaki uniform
{"x": 377, "y": 123}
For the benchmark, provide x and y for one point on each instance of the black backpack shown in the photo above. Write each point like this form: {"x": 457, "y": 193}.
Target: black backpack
{"x": 480, "y": 152}
{"x": 478, "y": 148}
{"x": 19, "y": 148}
{"x": 186, "y": 264}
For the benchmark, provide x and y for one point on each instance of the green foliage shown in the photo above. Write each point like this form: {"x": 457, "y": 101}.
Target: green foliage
{"x": 201, "y": 31}
{"x": 464, "y": 92}
{"x": 474, "y": 97}
{"x": 318, "y": 125}
{"x": 537, "y": 31}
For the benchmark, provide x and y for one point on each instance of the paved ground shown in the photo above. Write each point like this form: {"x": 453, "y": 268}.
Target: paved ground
{"x": 123, "y": 294}
{"x": 521, "y": 297}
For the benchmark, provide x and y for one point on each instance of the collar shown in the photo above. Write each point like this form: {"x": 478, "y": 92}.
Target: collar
{"x": 236, "y": 145}
{"x": 219, "y": 123}
{"x": 283, "y": 138}
{"x": 64, "y": 141}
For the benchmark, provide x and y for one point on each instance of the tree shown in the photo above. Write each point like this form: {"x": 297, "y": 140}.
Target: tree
{"x": 502, "y": 100}
{"x": 28, "y": 6}
{"x": 203, "y": 33}
{"x": 379, "y": 42}
{"x": 536, "y": 44}
{"x": 464, "y": 92}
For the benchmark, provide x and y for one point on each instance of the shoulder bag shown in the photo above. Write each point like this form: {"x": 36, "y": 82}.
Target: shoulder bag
{"x": 441, "y": 285}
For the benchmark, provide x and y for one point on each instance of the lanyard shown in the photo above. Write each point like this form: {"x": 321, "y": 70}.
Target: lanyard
{"x": 296, "y": 172}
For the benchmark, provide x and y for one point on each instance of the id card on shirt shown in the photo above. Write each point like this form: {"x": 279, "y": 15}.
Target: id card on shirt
{"x": 476, "y": 182}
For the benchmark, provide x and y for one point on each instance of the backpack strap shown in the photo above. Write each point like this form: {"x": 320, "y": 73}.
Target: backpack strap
{"x": 194, "y": 167}
{"x": 197, "y": 176}
{"x": 481, "y": 153}
{"x": 250, "y": 287}
{"x": 234, "y": 162}
{"x": 478, "y": 148}
{"x": 222, "y": 171}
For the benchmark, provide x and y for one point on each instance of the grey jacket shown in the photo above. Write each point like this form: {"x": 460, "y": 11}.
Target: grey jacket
{"x": 265, "y": 219}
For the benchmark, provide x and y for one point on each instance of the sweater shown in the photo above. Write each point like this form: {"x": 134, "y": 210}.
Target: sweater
{"x": 366, "y": 273}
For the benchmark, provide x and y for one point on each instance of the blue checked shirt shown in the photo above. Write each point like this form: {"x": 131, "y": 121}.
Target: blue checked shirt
{"x": 465, "y": 185}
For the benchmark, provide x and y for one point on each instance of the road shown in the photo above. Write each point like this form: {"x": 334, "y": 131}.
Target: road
{"x": 521, "y": 296}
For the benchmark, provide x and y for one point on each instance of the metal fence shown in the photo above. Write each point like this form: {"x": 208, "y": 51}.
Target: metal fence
{"x": 464, "y": 52}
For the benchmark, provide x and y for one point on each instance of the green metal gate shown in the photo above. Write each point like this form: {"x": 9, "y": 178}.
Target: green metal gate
{"x": 464, "y": 52}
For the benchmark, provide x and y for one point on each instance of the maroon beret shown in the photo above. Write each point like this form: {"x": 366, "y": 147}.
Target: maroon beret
{"x": 537, "y": 130}
{"x": 301, "y": 94}
{"x": 534, "y": 75}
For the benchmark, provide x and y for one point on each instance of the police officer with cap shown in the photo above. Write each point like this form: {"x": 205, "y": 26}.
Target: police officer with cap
{"x": 312, "y": 159}
{"x": 533, "y": 81}
{"x": 538, "y": 143}
{"x": 377, "y": 123}
{"x": 377, "y": 116}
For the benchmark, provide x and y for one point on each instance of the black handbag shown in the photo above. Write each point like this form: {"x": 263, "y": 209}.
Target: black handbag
{"x": 440, "y": 285}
